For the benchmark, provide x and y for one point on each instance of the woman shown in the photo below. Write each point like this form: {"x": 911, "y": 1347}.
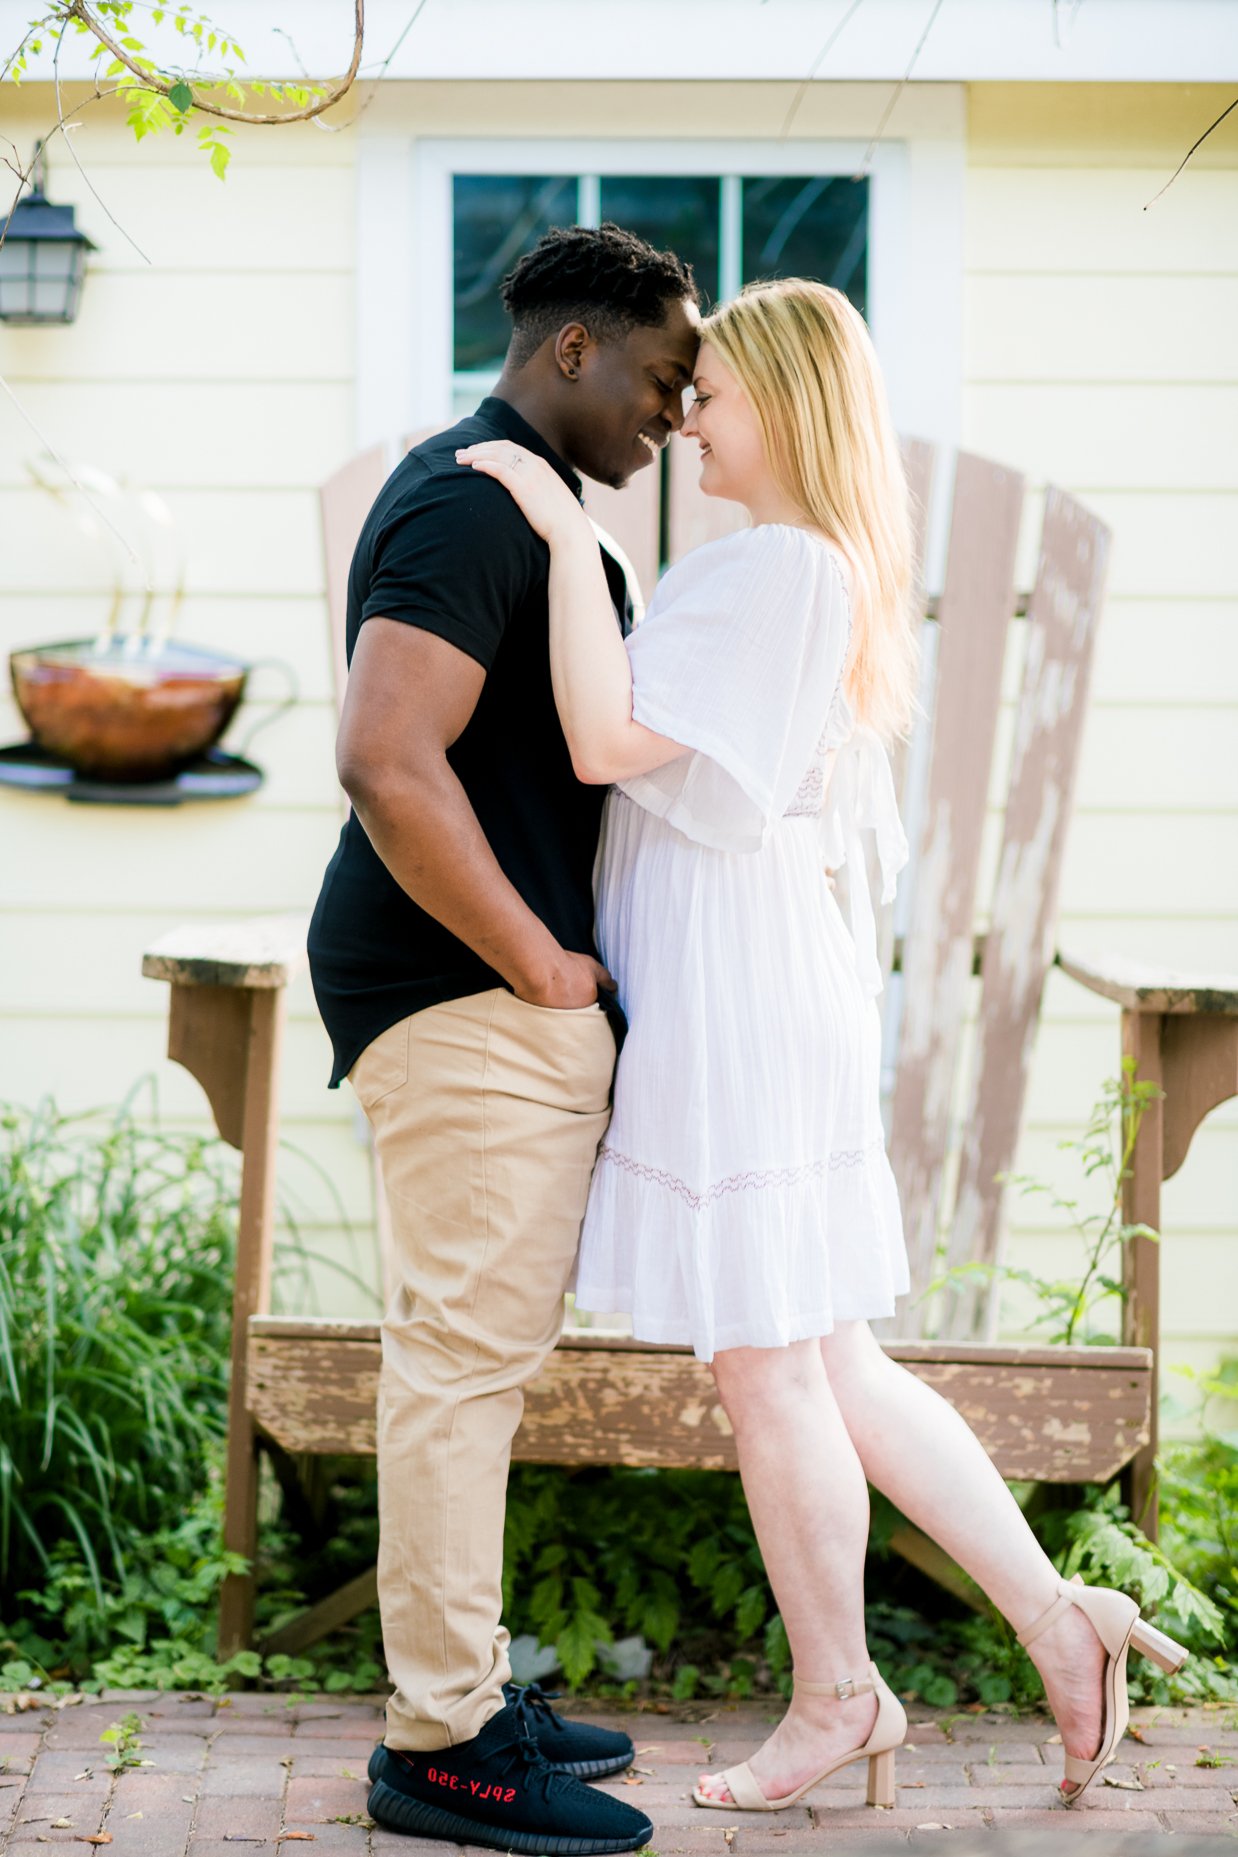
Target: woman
{"x": 743, "y": 1200}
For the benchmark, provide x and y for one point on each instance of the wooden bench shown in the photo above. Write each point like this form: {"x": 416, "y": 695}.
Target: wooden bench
{"x": 1048, "y": 1414}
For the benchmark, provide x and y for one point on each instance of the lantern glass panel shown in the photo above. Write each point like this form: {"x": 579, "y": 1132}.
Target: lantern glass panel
{"x": 55, "y": 269}
{"x": 16, "y": 260}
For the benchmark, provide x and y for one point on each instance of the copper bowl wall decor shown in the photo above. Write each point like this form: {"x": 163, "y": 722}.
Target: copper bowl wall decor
{"x": 126, "y": 714}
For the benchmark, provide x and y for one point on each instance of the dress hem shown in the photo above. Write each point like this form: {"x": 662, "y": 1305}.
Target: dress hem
{"x": 807, "y": 1328}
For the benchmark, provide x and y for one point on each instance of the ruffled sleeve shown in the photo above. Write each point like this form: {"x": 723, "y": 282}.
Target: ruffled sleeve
{"x": 738, "y": 658}
{"x": 860, "y": 798}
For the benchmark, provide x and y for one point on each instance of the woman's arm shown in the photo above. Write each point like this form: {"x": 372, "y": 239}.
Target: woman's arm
{"x": 589, "y": 664}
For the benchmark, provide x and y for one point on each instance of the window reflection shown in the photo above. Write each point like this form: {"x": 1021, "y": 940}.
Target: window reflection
{"x": 678, "y": 213}
{"x": 815, "y": 226}
{"x": 497, "y": 218}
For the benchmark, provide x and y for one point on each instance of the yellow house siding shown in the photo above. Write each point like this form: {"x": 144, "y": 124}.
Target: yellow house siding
{"x": 1100, "y": 354}
{"x": 221, "y": 376}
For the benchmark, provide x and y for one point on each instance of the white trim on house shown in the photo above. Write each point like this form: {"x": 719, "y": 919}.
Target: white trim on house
{"x": 1017, "y": 41}
{"x": 388, "y": 289}
{"x": 404, "y": 255}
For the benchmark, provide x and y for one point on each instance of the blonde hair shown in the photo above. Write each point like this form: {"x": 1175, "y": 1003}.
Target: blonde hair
{"x": 805, "y": 359}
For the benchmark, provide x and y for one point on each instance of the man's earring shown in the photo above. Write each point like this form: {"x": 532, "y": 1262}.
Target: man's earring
{"x": 571, "y": 373}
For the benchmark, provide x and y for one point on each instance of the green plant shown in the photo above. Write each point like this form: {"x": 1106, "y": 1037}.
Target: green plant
{"x": 117, "y": 1252}
{"x": 123, "y": 1742}
{"x": 1067, "y": 1307}
{"x": 115, "y": 1308}
{"x": 668, "y": 1555}
{"x": 154, "y": 1627}
{"x": 1198, "y": 1487}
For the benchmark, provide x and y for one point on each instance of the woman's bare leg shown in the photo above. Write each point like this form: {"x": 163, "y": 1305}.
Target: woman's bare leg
{"x": 809, "y": 1503}
{"x": 916, "y": 1450}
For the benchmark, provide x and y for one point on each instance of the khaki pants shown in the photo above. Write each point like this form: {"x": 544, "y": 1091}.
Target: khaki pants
{"x": 487, "y": 1113}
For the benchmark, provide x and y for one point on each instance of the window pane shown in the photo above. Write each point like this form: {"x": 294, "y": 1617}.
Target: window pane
{"x": 812, "y": 227}
{"x": 678, "y": 214}
{"x": 496, "y": 219}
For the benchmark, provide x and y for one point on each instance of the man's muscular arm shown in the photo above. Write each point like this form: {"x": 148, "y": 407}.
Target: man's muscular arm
{"x": 410, "y": 696}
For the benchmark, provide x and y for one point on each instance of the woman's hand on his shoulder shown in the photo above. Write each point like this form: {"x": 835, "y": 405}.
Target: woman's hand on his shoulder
{"x": 549, "y": 506}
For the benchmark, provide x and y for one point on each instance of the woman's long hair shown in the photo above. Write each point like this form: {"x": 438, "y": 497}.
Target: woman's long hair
{"x": 805, "y": 359}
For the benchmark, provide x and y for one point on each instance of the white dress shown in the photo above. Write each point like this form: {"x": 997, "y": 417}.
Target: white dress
{"x": 742, "y": 1196}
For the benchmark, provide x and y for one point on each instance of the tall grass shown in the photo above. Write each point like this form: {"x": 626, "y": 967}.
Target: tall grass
{"x": 116, "y": 1258}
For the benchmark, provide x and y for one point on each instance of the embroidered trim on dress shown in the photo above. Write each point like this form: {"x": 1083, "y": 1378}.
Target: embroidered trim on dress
{"x": 809, "y": 794}
{"x": 737, "y": 1183}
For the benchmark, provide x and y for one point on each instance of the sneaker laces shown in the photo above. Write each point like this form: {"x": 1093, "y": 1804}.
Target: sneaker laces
{"x": 522, "y": 1750}
{"x": 540, "y": 1699}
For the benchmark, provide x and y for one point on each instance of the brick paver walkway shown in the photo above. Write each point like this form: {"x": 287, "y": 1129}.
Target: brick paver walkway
{"x": 257, "y": 1772}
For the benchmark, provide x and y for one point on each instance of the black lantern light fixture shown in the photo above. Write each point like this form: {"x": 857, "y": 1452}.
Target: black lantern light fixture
{"x": 42, "y": 257}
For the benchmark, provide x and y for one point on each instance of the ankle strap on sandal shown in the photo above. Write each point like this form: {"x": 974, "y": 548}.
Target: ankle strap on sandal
{"x": 846, "y": 1687}
{"x": 1065, "y": 1599}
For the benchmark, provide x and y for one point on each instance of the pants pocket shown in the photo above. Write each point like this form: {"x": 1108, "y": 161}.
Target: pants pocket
{"x": 382, "y": 1066}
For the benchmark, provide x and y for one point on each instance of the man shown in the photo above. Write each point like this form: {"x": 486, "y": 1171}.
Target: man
{"x": 453, "y": 959}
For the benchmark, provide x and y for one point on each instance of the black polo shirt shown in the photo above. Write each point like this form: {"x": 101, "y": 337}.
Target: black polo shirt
{"x": 447, "y": 549}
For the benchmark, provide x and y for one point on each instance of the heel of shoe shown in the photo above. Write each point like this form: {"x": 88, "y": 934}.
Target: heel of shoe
{"x": 1157, "y": 1647}
{"x": 881, "y": 1778}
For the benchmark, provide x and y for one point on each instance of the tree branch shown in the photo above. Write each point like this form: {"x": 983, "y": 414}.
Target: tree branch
{"x": 1190, "y": 151}
{"x": 79, "y": 10}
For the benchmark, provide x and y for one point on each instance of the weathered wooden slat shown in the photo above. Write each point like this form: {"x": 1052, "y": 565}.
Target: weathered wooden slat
{"x": 1061, "y": 631}
{"x": 607, "y": 1341}
{"x": 919, "y": 465}
{"x": 976, "y": 606}
{"x": 1039, "y": 1418}
{"x": 345, "y": 501}
{"x": 906, "y": 761}
{"x": 319, "y": 1621}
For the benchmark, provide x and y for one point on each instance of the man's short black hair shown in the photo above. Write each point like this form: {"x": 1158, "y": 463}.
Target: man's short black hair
{"x": 604, "y": 277}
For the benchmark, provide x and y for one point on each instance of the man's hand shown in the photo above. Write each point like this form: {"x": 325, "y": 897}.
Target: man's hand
{"x": 578, "y": 980}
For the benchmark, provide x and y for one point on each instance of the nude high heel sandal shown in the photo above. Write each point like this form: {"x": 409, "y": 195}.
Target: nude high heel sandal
{"x": 888, "y": 1732}
{"x": 1115, "y": 1619}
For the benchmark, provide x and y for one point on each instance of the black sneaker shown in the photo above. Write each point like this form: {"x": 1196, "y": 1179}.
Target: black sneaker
{"x": 499, "y": 1790}
{"x": 573, "y": 1747}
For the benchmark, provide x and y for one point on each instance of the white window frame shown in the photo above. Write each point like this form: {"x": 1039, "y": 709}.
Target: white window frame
{"x": 404, "y": 278}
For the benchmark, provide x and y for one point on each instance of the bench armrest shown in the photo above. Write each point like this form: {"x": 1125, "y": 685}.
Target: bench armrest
{"x": 263, "y": 951}
{"x": 1146, "y": 986}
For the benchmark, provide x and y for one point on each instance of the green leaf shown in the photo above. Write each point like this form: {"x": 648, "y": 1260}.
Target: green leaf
{"x": 221, "y": 155}
{"x": 181, "y": 96}
{"x": 659, "y": 1619}
{"x": 703, "y": 1560}
{"x": 576, "y": 1646}
{"x": 750, "y": 1612}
